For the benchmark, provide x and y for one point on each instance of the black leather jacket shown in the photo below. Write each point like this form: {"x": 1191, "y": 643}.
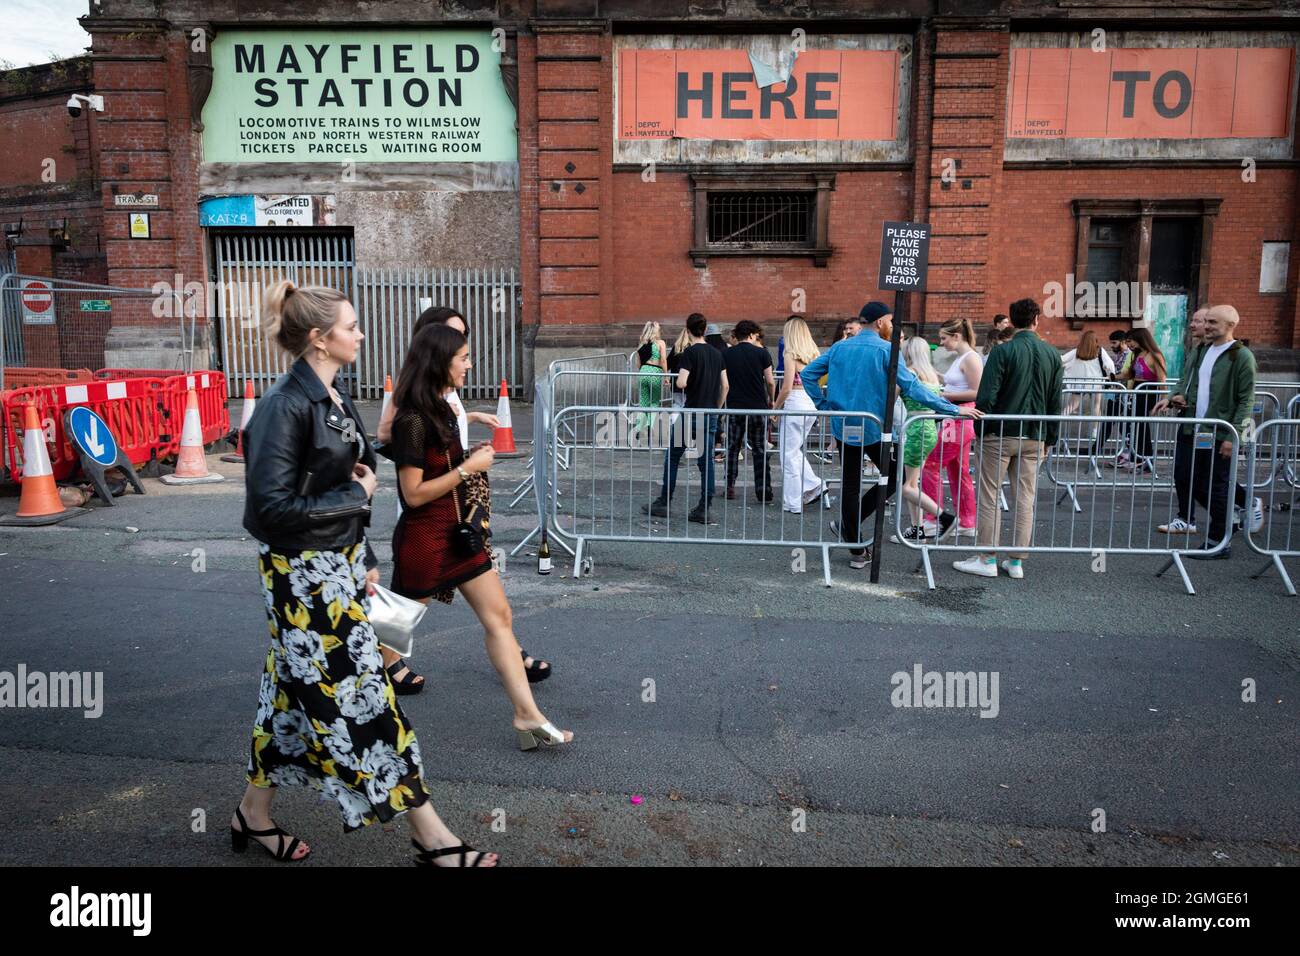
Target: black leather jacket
{"x": 299, "y": 492}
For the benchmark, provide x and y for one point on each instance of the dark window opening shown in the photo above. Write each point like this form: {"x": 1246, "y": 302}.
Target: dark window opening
{"x": 750, "y": 220}
{"x": 1175, "y": 248}
{"x": 1109, "y": 248}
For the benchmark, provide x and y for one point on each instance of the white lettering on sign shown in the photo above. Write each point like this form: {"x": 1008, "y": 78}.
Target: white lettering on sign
{"x": 904, "y": 254}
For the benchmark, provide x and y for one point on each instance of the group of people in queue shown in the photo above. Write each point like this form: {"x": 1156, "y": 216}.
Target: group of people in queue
{"x": 327, "y": 714}
{"x": 1015, "y": 374}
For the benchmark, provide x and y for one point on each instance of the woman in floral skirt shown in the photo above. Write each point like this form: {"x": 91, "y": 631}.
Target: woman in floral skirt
{"x": 327, "y": 716}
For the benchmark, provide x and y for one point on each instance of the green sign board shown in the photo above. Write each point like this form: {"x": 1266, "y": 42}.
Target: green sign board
{"x": 373, "y": 96}
{"x": 95, "y": 305}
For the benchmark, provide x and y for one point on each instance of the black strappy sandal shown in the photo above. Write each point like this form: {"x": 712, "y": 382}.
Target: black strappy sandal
{"x": 425, "y": 857}
{"x": 537, "y": 673}
{"x": 239, "y": 840}
{"x": 408, "y": 684}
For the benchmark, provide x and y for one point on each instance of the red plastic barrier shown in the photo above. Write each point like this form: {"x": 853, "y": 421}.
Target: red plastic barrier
{"x": 105, "y": 374}
{"x": 214, "y": 409}
{"x": 28, "y": 377}
{"x": 131, "y": 408}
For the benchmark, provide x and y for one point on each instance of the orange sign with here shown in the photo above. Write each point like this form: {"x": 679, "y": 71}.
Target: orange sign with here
{"x": 1213, "y": 93}
{"x": 712, "y": 94}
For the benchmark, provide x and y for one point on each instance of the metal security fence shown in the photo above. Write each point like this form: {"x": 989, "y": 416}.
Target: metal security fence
{"x": 1278, "y": 536}
{"x": 389, "y": 301}
{"x": 616, "y": 487}
{"x": 53, "y": 331}
{"x": 1125, "y": 514}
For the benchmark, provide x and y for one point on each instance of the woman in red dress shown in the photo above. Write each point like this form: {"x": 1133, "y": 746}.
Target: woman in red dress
{"x": 439, "y": 484}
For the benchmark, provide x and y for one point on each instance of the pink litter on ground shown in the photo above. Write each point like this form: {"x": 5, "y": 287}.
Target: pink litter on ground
{"x": 636, "y": 800}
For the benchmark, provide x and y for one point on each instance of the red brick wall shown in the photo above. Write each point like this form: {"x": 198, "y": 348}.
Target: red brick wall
{"x": 657, "y": 280}
{"x": 1035, "y": 234}
{"x": 147, "y": 145}
{"x": 43, "y": 129}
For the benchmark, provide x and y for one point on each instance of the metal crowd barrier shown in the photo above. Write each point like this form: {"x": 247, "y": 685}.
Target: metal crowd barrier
{"x": 1121, "y": 518}
{"x": 1279, "y": 537}
{"x": 616, "y": 474}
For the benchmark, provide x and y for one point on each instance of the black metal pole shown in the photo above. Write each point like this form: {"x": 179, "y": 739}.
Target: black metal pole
{"x": 886, "y": 458}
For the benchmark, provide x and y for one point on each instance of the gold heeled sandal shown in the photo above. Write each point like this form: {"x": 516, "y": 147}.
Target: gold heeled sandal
{"x": 545, "y": 734}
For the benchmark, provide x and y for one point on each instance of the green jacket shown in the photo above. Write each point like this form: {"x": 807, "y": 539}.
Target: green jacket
{"x": 1232, "y": 388}
{"x": 1022, "y": 377}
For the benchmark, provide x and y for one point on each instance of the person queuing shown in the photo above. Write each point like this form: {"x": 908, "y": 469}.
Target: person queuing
{"x": 326, "y": 714}
{"x": 800, "y": 484}
{"x": 844, "y": 329}
{"x": 920, "y": 439}
{"x": 1219, "y": 383}
{"x": 703, "y": 379}
{"x": 961, "y": 382}
{"x": 858, "y": 376}
{"x": 993, "y": 337}
{"x": 652, "y": 356}
{"x": 751, "y": 385}
{"x": 1146, "y": 368}
{"x": 1021, "y": 377}
{"x": 442, "y": 540}
{"x": 1087, "y": 366}
{"x": 405, "y": 680}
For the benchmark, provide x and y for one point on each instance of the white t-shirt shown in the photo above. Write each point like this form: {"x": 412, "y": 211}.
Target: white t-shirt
{"x": 1203, "y": 383}
{"x": 462, "y": 419}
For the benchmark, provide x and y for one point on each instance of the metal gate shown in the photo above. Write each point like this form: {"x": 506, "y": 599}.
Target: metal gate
{"x": 11, "y": 328}
{"x": 247, "y": 264}
{"x": 387, "y": 301}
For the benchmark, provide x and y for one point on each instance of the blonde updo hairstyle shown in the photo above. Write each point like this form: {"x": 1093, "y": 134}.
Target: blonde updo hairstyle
{"x": 290, "y": 312}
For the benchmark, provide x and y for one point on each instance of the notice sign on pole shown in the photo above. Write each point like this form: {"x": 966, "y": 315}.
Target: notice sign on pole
{"x": 904, "y": 255}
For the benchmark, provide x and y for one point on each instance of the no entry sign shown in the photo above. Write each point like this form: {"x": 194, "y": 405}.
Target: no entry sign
{"x": 38, "y": 302}
{"x": 904, "y": 255}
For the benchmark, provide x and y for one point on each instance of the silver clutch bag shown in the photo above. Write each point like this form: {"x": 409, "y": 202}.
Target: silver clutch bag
{"x": 394, "y": 619}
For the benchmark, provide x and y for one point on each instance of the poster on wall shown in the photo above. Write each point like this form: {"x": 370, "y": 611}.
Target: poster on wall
{"x": 268, "y": 210}
{"x": 1166, "y": 316}
{"x": 1184, "y": 93}
{"x": 331, "y": 96}
{"x": 714, "y": 94}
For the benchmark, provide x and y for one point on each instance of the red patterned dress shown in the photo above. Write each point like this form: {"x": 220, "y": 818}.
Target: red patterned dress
{"x": 425, "y": 562}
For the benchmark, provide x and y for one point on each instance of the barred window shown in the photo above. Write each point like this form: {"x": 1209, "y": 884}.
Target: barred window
{"x": 761, "y": 213}
{"x": 751, "y": 220}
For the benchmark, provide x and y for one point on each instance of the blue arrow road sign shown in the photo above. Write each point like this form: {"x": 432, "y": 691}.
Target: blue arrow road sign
{"x": 90, "y": 432}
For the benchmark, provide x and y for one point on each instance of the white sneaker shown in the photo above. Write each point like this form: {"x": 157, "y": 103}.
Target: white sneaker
{"x": 977, "y": 565}
{"x": 1013, "y": 568}
{"x": 1177, "y": 526}
{"x": 965, "y": 532}
{"x": 1257, "y": 516}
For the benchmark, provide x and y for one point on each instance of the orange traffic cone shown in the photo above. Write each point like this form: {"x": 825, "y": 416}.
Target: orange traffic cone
{"x": 39, "y": 503}
{"x": 250, "y": 402}
{"x": 388, "y": 396}
{"x": 503, "y": 438}
{"x": 191, "y": 466}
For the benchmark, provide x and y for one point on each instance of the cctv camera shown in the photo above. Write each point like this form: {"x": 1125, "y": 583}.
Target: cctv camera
{"x": 96, "y": 103}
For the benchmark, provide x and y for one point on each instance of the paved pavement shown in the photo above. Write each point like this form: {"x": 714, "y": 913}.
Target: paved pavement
{"x": 772, "y": 705}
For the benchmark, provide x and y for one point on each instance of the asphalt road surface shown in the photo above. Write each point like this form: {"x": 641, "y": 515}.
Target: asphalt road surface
{"x": 771, "y": 737}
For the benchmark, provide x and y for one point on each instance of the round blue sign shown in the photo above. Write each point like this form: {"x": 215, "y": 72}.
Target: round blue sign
{"x": 90, "y": 432}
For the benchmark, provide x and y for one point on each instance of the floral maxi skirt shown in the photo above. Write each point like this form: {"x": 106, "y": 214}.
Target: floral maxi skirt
{"x": 326, "y": 713}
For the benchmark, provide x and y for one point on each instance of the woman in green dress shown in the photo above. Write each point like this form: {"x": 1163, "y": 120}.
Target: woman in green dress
{"x": 919, "y": 440}
{"x": 652, "y": 355}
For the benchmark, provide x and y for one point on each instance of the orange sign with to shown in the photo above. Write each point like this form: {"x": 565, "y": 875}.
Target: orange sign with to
{"x": 1215, "y": 93}
{"x": 712, "y": 94}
